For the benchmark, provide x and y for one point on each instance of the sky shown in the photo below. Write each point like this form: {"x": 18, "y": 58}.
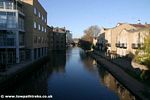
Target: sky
{"x": 78, "y": 15}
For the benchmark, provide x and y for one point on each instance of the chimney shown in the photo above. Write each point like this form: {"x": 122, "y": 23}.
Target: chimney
{"x": 139, "y": 21}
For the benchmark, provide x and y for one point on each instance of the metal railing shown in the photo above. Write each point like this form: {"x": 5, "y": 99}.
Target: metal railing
{"x": 121, "y": 45}
{"x": 137, "y": 45}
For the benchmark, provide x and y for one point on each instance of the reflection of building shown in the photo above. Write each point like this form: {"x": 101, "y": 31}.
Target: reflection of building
{"x": 68, "y": 52}
{"x": 88, "y": 62}
{"x": 57, "y": 38}
{"x": 57, "y": 61}
{"x": 12, "y": 46}
{"x": 36, "y": 29}
{"x": 109, "y": 81}
{"x": 36, "y": 82}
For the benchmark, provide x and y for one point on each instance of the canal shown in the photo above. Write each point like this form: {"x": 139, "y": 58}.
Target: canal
{"x": 72, "y": 75}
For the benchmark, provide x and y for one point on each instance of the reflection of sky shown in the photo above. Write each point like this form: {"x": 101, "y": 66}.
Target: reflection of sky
{"x": 77, "y": 83}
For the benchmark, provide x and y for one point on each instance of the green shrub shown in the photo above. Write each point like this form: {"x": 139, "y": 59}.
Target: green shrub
{"x": 143, "y": 55}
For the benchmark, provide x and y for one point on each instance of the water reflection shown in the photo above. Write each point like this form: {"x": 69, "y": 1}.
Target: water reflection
{"x": 89, "y": 63}
{"x": 57, "y": 61}
{"x": 109, "y": 81}
{"x": 72, "y": 75}
{"x": 33, "y": 83}
{"x": 80, "y": 80}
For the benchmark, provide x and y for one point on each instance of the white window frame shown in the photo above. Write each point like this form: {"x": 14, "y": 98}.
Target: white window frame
{"x": 45, "y": 30}
{"x": 39, "y": 14}
{"x": 39, "y": 27}
{"x": 35, "y": 25}
{"x": 35, "y": 10}
{"x": 42, "y": 29}
{"x": 45, "y": 20}
{"x": 42, "y": 17}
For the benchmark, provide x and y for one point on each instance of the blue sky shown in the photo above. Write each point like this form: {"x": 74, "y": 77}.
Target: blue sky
{"x": 77, "y": 15}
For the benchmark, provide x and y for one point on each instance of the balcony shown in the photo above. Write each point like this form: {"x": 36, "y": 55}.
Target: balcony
{"x": 11, "y": 5}
{"x": 7, "y": 41}
{"x": 137, "y": 45}
{"x": 108, "y": 44}
{"x": 121, "y": 45}
{"x": 117, "y": 44}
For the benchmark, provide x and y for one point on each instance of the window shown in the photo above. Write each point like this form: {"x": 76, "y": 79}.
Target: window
{"x": 39, "y": 27}
{"x": 42, "y": 28}
{"x": 42, "y": 40}
{"x": 35, "y": 25}
{"x": 35, "y": 39}
{"x": 22, "y": 24}
{"x": 35, "y": 11}
{"x": 3, "y": 19}
{"x": 11, "y": 20}
{"x": 21, "y": 39}
{"x": 10, "y": 42}
{"x": 39, "y": 39}
{"x": 1, "y": 5}
{"x": 45, "y": 20}
{"x": 42, "y": 18}
{"x": 9, "y": 5}
{"x": 45, "y": 30}
{"x": 39, "y": 14}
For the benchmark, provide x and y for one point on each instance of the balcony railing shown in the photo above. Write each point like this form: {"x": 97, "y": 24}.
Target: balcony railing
{"x": 137, "y": 45}
{"x": 11, "y": 5}
{"x": 108, "y": 44}
{"x": 121, "y": 45}
{"x": 7, "y": 41}
{"x": 117, "y": 44}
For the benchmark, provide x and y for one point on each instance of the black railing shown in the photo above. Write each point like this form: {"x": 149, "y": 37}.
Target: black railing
{"x": 121, "y": 45}
{"x": 137, "y": 45}
{"x": 108, "y": 44}
{"x": 117, "y": 44}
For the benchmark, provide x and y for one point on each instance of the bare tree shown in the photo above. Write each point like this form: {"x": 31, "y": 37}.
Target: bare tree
{"x": 91, "y": 33}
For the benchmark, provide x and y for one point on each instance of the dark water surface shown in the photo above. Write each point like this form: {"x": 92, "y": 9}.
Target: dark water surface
{"x": 72, "y": 75}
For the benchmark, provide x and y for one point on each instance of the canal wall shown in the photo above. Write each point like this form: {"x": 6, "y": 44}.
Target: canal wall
{"x": 18, "y": 72}
{"x": 138, "y": 89}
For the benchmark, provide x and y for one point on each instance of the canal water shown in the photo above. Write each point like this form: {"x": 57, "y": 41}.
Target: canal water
{"x": 72, "y": 75}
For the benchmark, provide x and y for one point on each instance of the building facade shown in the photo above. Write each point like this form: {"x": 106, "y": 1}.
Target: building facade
{"x": 125, "y": 38}
{"x": 129, "y": 41}
{"x": 101, "y": 42}
{"x": 59, "y": 41}
{"x": 50, "y": 38}
{"x": 12, "y": 33}
{"x": 69, "y": 39}
{"x": 57, "y": 38}
{"x": 36, "y": 29}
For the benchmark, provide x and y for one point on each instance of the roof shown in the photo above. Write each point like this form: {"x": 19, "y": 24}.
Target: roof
{"x": 138, "y": 25}
{"x": 139, "y": 30}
